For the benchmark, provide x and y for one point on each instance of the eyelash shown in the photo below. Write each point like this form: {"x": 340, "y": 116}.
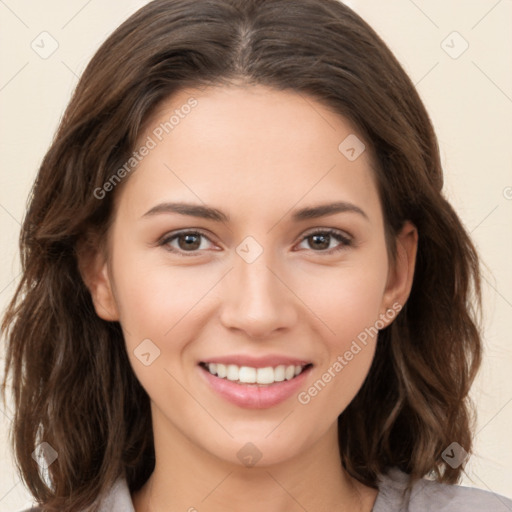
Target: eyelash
{"x": 339, "y": 236}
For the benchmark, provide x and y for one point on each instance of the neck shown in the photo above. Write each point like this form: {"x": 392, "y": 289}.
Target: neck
{"x": 189, "y": 479}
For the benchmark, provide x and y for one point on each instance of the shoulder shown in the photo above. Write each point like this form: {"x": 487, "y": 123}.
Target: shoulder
{"x": 428, "y": 495}
{"x": 117, "y": 499}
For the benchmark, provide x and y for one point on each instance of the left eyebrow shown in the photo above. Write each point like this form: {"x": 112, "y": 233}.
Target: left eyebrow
{"x": 206, "y": 212}
{"x": 322, "y": 210}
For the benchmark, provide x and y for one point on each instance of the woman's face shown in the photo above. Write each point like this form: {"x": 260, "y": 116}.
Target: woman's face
{"x": 237, "y": 277}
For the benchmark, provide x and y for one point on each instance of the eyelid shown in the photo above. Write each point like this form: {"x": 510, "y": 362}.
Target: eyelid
{"x": 344, "y": 238}
{"x": 336, "y": 231}
{"x": 171, "y": 236}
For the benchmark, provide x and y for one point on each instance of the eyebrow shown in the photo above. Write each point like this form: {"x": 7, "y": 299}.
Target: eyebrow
{"x": 210, "y": 213}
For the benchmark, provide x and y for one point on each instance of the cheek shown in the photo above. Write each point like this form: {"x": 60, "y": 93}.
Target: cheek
{"x": 346, "y": 300}
{"x": 153, "y": 297}
{"x": 349, "y": 344}
{"x": 348, "y": 304}
{"x": 157, "y": 306}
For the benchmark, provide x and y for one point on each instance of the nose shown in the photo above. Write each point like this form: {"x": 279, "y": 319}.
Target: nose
{"x": 257, "y": 299}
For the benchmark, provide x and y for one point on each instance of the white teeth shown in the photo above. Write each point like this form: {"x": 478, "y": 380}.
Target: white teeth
{"x": 279, "y": 372}
{"x": 289, "y": 372}
{"x": 232, "y": 372}
{"x": 221, "y": 370}
{"x": 249, "y": 375}
{"x": 265, "y": 375}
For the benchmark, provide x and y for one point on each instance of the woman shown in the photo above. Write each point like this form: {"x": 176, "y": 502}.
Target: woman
{"x": 177, "y": 341}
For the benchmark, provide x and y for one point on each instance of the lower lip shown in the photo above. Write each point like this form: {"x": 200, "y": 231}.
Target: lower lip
{"x": 255, "y": 396}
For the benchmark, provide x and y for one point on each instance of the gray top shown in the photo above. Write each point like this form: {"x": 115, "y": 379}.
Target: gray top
{"x": 425, "y": 496}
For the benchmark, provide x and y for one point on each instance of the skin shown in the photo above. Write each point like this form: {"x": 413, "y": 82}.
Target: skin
{"x": 257, "y": 154}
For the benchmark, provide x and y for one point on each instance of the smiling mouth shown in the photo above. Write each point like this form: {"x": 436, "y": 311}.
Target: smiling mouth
{"x": 250, "y": 375}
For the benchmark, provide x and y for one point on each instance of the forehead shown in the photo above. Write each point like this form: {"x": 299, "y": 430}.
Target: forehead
{"x": 254, "y": 114}
{"x": 250, "y": 142}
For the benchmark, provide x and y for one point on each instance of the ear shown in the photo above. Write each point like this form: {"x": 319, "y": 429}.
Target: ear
{"x": 93, "y": 266}
{"x": 401, "y": 272}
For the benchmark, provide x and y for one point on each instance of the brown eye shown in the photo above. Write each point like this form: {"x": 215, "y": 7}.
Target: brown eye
{"x": 190, "y": 241}
{"x": 187, "y": 242}
{"x": 320, "y": 240}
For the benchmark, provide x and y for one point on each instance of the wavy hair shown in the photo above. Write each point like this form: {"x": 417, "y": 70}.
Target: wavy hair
{"x": 72, "y": 384}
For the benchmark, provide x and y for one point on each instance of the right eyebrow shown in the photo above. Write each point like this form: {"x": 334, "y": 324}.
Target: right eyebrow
{"x": 193, "y": 210}
{"x": 210, "y": 213}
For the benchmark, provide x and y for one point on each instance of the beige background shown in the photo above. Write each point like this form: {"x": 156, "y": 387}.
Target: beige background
{"x": 469, "y": 97}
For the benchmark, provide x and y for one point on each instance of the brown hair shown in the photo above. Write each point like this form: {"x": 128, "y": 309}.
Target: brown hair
{"x": 73, "y": 386}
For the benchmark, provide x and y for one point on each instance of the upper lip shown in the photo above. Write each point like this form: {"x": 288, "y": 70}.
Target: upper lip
{"x": 257, "y": 362}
